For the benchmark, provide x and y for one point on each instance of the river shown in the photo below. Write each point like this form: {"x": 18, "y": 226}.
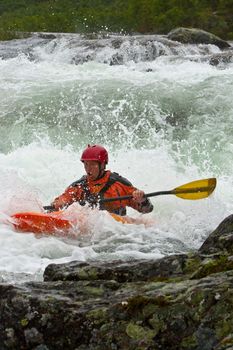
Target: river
{"x": 165, "y": 119}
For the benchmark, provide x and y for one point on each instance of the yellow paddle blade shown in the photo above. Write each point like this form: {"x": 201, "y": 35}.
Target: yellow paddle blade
{"x": 196, "y": 190}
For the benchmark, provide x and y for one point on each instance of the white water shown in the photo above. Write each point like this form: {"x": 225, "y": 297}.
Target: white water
{"x": 163, "y": 128}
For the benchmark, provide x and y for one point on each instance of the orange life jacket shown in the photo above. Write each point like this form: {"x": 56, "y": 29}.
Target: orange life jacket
{"x": 86, "y": 191}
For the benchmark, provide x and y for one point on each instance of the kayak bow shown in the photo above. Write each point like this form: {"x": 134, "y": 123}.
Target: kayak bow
{"x": 49, "y": 223}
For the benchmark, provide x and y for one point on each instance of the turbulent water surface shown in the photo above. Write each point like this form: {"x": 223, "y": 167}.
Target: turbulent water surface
{"x": 164, "y": 113}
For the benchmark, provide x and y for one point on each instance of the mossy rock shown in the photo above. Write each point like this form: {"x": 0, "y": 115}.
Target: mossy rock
{"x": 221, "y": 239}
{"x": 192, "y": 263}
{"x": 137, "y": 332}
{"x": 221, "y": 264}
{"x": 197, "y": 36}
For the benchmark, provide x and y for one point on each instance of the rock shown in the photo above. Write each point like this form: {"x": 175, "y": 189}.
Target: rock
{"x": 179, "y": 302}
{"x": 189, "y": 314}
{"x": 49, "y": 36}
{"x": 32, "y": 336}
{"x": 224, "y": 57}
{"x": 221, "y": 240}
{"x": 143, "y": 270}
{"x": 196, "y": 36}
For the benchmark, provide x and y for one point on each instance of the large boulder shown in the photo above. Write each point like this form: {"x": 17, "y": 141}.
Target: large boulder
{"x": 103, "y": 314}
{"x": 121, "y": 272}
{"x": 196, "y": 36}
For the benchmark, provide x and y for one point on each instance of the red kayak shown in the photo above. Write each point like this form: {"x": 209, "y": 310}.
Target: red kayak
{"x": 50, "y": 223}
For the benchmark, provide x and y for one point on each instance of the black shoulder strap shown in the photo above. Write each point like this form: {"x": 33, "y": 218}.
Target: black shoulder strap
{"x": 82, "y": 181}
{"x": 114, "y": 177}
{"x": 119, "y": 178}
{"x": 108, "y": 184}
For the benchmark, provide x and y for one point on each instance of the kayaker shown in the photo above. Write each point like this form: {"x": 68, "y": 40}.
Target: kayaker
{"x": 101, "y": 183}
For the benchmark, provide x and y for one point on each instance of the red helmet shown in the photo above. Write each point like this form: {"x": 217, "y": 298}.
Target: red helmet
{"x": 95, "y": 152}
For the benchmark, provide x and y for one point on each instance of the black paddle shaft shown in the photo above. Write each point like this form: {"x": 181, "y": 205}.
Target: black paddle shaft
{"x": 114, "y": 199}
{"x": 152, "y": 194}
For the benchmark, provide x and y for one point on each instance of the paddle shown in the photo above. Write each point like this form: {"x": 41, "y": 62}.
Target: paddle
{"x": 193, "y": 190}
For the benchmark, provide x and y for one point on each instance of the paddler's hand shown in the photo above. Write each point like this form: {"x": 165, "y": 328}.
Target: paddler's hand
{"x": 139, "y": 196}
{"x": 143, "y": 203}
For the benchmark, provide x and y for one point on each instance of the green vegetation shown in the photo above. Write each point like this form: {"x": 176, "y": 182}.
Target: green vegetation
{"x": 127, "y": 16}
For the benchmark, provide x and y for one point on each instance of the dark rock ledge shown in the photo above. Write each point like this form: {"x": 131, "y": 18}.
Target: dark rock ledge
{"x": 178, "y": 302}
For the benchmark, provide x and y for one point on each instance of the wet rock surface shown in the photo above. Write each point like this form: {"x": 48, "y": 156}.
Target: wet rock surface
{"x": 196, "y": 36}
{"x": 178, "y": 302}
{"x": 221, "y": 240}
{"x": 222, "y": 58}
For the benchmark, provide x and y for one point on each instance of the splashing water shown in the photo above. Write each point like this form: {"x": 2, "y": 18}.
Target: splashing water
{"x": 166, "y": 121}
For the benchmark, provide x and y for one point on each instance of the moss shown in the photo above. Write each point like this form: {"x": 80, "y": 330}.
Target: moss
{"x": 189, "y": 342}
{"x": 157, "y": 285}
{"x": 157, "y": 323}
{"x": 163, "y": 300}
{"x": 147, "y": 305}
{"x": 88, "y": 273}
{"x": 149, "y": 310}
{"x": 136, "y": 303}
{"x": 98, "y": 314}
{"x": 137, "y": 332}
{"x": 192, "y": 263}
{"x": 224, "y": 328}
{"x": 93, "y": 291}
{"x": 221, "y": 264}
{"x": 24, "y": 322}
{"x": 167, "y": 279}
{"x": 83, "y": 274}
{"x": 93, "y": 273}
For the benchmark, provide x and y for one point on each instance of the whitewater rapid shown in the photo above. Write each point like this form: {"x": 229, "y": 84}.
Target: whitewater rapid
{"x": 165, "y": 122}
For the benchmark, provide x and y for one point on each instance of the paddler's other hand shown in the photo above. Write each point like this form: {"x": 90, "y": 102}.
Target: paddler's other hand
{"x": 139, "y": 196}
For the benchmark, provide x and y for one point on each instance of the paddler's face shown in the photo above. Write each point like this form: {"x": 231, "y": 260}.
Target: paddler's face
{"x": 92, "y": 169}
